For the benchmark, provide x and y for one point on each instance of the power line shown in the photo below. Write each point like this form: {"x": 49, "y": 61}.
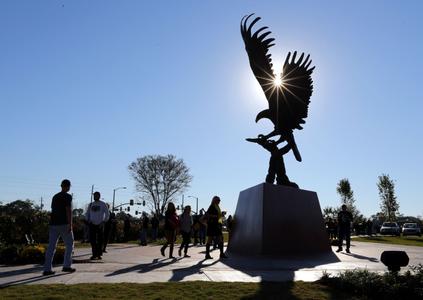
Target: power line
{"x": 5, "y": 180}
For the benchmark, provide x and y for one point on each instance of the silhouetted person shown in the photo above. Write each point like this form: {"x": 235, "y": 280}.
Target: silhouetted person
{"x": 113, "y": 229}
{"x": 171, "y": 224}
{"x": 108, "y": 228}
{"x": 336, "y": 229}
{"x": 196, "y": 228}
{"x": 144, "y": 228}
{"x": 229, "y": 226}
{"x": 126, "y": 228}
{"x": 214, "y": 227}
{"x": 86, "y": 232}
{"x": 276, "y": 162}
{"x": 344, "y": 223}
{"x": 203, "y": 228}
{"x": 60, "y": 226}
{"x": 97, "y": 214}
{"x": 185, "y": 223}
{"x": 154, "y": 227}
{"x": 356, "y": 228}
{"x": 331, "y": 228}
{"x": 369, "y": 227}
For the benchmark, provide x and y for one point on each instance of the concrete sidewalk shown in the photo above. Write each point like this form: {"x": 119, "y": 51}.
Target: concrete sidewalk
{"x": 132, "y": 263}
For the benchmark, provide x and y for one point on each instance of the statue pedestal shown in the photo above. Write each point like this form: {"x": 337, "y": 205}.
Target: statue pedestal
{"x": 279, "y": 221}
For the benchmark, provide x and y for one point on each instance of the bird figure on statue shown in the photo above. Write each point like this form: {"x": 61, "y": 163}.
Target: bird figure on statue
{"x": 288, "y": 93}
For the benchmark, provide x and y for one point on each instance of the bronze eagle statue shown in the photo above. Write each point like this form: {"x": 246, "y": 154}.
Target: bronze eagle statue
{"x": 289, "y": 100}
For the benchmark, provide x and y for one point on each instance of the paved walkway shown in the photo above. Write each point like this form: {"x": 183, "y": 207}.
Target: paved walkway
{"x": 132, "y": 263}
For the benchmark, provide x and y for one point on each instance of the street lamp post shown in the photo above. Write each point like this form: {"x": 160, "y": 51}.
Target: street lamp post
{"x": 196, "y": 204}
{"x": 114, "y": 192}
{"x": 182, "y": 207}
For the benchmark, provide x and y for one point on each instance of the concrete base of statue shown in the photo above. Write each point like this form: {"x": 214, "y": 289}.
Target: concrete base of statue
{"x": 275, "y": 220}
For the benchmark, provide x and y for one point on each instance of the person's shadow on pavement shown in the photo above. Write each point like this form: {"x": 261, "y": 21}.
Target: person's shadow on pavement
{"x": 31, "y": 280}
{"x": 180, "y": 273}
{"x": 143, "y": 268}
{"x": 358, "y": 256}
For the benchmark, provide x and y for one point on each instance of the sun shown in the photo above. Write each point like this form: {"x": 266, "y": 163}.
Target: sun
{"x": 277, "y": 81}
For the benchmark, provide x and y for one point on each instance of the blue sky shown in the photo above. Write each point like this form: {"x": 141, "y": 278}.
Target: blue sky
{"x": 88, "y": 86}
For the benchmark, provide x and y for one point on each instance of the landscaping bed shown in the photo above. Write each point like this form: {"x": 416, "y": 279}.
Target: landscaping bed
{"x": 27, "y": 254}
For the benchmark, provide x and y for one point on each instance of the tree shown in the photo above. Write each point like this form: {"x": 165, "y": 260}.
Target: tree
{"x": 389, "y": 204}
{"x": 160, "y": 179}
{"x": 345, "y": 191}
{"x": 22, "y": 217}
{"x": 330, "y": 212}
{"x": 78, "y": 213}
{"x": 347, "y": 197}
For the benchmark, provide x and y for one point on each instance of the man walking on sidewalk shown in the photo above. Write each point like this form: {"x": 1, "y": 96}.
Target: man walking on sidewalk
{"x": 97, "y": 214}
{"x": 60, "y": 226}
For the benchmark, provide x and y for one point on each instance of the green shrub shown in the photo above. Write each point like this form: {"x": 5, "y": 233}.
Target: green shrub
{"x": 408, "y": 285}
{"x": 32, "y": 254}
{"x": 9, "y": 254}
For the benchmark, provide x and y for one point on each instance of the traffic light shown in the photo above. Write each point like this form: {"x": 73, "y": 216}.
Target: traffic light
{"x": 129, "y": 208}
{"x": 136, "y": 212}
{"x": 131, "y": 202}
{"x": 143, "y": 202}
{"x": 121, "y": 208}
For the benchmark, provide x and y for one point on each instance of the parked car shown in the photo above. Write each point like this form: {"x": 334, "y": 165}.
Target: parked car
{"x": 411, "y": 229}
{"x": 391, "y": 228}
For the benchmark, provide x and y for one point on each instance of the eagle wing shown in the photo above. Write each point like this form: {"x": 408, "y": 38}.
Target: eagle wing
{"x": 257, "y": 46}
{"x": 296, "y": 90}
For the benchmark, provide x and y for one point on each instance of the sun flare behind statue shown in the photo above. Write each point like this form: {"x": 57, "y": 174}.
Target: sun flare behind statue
{"x": 277, "y": 82}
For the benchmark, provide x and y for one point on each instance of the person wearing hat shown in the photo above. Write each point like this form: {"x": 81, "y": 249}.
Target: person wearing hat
{"x": 97, "y": 214}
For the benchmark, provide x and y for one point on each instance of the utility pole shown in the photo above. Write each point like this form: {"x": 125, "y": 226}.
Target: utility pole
{"x": 114, "y": 192}
{"x": 42, "y": 205}
{"x": 182, "y": 202}
{"x": 113, "y": 203}
{"x": 196, "y": 203}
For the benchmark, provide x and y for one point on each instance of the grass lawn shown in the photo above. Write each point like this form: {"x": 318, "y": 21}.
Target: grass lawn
{"x": 177, "y": 290}
{"x": 407, "y": 240}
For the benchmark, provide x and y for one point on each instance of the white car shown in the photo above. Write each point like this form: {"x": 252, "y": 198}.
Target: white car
{"x": 391, "y": 228}
{"x": 411, "y": 229}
